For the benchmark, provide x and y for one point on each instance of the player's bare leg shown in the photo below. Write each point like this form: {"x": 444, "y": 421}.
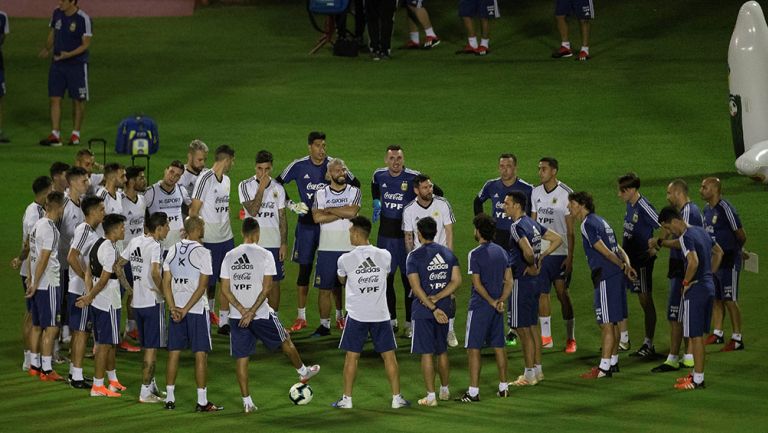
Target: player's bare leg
{"x": 201, "y": 369}
{"x": 443, "y": 368}
{"x": 735, "y": 312}
{"x": 428, "y": 371}
{"x": 78, "y": 113}
{"x": 148, "y": 368}
{"x": 473, "y": 361}
{"x": 241, "y": 370}
{"x": 350, "y": 370}
{"x": 501, "y": 364}
{"x": 274, "y": 296}
{"x": 55, "y": 105}
{"x": 585, "y": 27}
{"x": 392, "y": 369}
{"x": 172, "y": 367}
{"x": 562, "y": 27}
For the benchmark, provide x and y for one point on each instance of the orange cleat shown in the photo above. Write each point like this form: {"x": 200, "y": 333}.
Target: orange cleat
{"x": 128, "y": 347}
{"x": 102, "y": 391}
{"x": 116, "y": 386}
{"x": 298, "y": 325}
{"x": 570, "y": 346}
{"x": 51, "y": 376}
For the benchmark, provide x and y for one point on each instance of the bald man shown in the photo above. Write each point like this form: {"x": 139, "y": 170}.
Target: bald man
{"x": 722, "y": 223}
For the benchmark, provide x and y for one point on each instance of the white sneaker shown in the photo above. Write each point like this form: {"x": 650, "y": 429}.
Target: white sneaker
{"x": 444, "y": 395}
{"x": 425, "y": 402}
{"x": 539, "y": 376}
{"x": 398, "y": 401}
{"x": 155, "y": 390}
{"x": 452, "y": 341}
{"x": 312, "y": 370}
{"x": 151, "y": 398}
{"x": 343, "y": 403}
{"x": 249, "y": 408}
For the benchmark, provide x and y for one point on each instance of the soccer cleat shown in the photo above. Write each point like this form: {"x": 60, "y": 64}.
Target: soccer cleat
{"x": 570, "y": 346}
{"x": 685, "y": 378}
{"x": 427, "y": 402}
{"x": 50, "y": 376}
{"x": 502, "y": 394}
{"x": 539, "y": 376}
{"x": 522, "y": 381}
{"x": 623, "y": 347}
{"x": 134, "y": 334}
{"x": 79, "y": 384}
{"x": 33, "y": 371}
{"x": 466, "y": 398}
{"x": 615, "y": 368}
{"x": 223, "y": 329}
{"x": 511, "y": 338}
{"x": 342, "y": 403}
{"x": 340, "y": 323}
{"x": 689, "y": 385}
{"x": 468, "y": 49}
{"x": 128, "y": 347}
{"x": 583, "y": 56}
{"x": 208, "y": 407}
{"x": 562, "y": 52}
{"x": 298, "y": 325}
{"x": 597, "y": 373}
{"x": 74, "y": 140}
{"x": 313, "y": 370}
{"x": 732, "y": 345}
{"x": 51, "y": 141}
{"x": 444, "y": 395}
{"x": 398, "y": 402}
{"x": 431, "y": 42}
{"x": 452, "y": 341}
{"x": 687, "y": 363}
{"x": 248, "y": 408}
{"x": 170, "y": 405}
{"x": 714, "y": 339}
{"x": 321, "y": 331}
{"x": 482, "y": 50}
{"x": 644, "y": 351}
{"x": 102, "y": 391}
{"x": 151, "y": 398}
{"x": 214, "y": 318}
{"x": 410, "y": 45}
{"x": 547, "y": 342}
{"x": 666, "y": 366}
{"x": 116, "y": 386}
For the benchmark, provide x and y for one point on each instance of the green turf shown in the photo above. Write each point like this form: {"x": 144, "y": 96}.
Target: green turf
{"x": 653, "y": 100}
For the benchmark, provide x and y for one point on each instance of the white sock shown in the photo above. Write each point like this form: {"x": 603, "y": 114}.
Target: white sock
{"x": 202, "y": 396}
{"x": 71, "y": 367}
{"x": 430, "y": 396}
{"x": 247, "y": 401}
{"x": 27, "y": 356}
{"x": 585, "y": 49}
{"x": 605, "y": 364}
{"x": 444, "y": 390}
{"x": 430, "y": 32}
{"x": 570, "y": 328}
{"x": 338, "y": 314}
{"x": 624, "y": 337}
{"x": 474, "y": 391}
{"x": 698, "y": 377}
{"x": 326, "y": 323}
{"x": 34, "y": 360}
{"x": 450, "y": 325}
{"x": 77, "y": 373}
{"x": 76, "y": 133}
{"x": 718, "y": 332}
{"x": 169, "y": 392}
{"x": 614, "y": 359}
{"x": 566, "y": 44}
{"x": 530, "y": 374}
{"x": 302, "y": 313}
{"x": 537, "y": 368}
{"x": 303, "y": 370}
{"x": 98, "y": 382}
{"x": 472, "y": 41}
{"x": 414, "y": 37}
{"x": 485, "y": 43}
{"x": 56, "y": 133}
{"x": 47, "y": 363}
{"x": 671, "y": 358}
{"x": 65, "y": 332}
{"x": 112, "y": 375}
{"x": 503, "y": 386}
{"x": 144, "y": 393}
{"x": 648, "y": 342}
{"x": 407, "y": 324}
{"x": 546, "y": 329}
{"x": 223, "y": 317}
{"x": 130, "y": 326}
{"x": 736, "y": 336}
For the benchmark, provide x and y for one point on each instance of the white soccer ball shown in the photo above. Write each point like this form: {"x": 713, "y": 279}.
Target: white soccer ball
{"x": 300, "y": 393}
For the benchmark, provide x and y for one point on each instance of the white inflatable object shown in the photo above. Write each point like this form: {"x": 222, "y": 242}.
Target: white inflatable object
{"x": 748, "y": 84}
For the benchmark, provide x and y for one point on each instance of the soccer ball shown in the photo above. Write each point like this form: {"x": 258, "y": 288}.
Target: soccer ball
{"x": 300, "y": 393}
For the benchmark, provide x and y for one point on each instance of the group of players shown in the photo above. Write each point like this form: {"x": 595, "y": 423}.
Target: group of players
{"x": 93, "y": 235}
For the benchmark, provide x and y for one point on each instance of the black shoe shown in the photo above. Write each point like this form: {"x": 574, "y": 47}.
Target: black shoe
{"x": 51, "y": 141}
{"x": 644, "y": 351}
{"x": 615, "y": 368}
{"x": 223, "y": 329}
{"x": 79, "y": 384}
{"x": 208, "y": 407}
{"x": 503, "y": 394}
{"x": 321, "y": 331}
{"x": 466, "y": 398}
{"x": 170, "y": 405}
{"x": 663, "y": 368}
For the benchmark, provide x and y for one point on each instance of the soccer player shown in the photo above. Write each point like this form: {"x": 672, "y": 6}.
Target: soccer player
{"x": 134, "y": 210}
{"x": 427, "y": 204}
{"x": 144, "y": 256}
{"x": 723, "y": 223}
{"x": 58, "y": 172}
{"x": 264, "y": 199}
{"x": 167, "y": 196}
{"x": 246, "y": 275}
{"x": 103, "y": 281}
{"x": 4, "y": 30}
{"x": 41, "y": 187}
{"x": 44, "y": 289}
{"x": 197, "y": 153}
{"x": 112, "y": 191}
{"x": 434, "y": 274}
{"x": 333, "y": 208}
{"x": 640, "y": 220}
{"x": 364, "y": 273}
{"x": 84, "y": 159}
{"x": 210, "y": 201}
{"x": 584, "y": 11}
{"x": 703, "y": 256}
{"x": 70, "y": 37}
{"x": 484, "y": 11}
{"x": 677, "y": 196}
{"x": 491, "y": 284}
{"x": 309, "y": 174}
{"x": 186, "y": 271}
{"x": 549, "y": 207}
{"x": 78, "y": 259}
{"x": 526, "y": 257}
{"x": 609, "y": 264}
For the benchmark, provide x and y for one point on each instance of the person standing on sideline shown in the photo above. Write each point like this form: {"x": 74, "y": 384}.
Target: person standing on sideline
{"x": 584, "y": 11}
{"x": 4, "y": 30}
{"x": 484, "y": 11}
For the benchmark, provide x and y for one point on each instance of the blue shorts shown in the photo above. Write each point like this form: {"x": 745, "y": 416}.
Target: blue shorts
{"x": 278, "y": 264}
{"x": 396, "y": 247}
{"x": 46, "y": 307}
{"x": 325, "y": 271}
{"x": 305, "y": 243}
{"x": 581, "y": 9}
{"x": 242, "y": 341}
{"x": 675, "y": 302}
{"x": 727, "y": 284}
{"x": 150, "y": 322}
{"x": 551, "y": 271}
{"x": 644, "y": 281}
{"x": 485, "y": 328}
{"x": 479, "y": 9}
{"x": 356, "y": 333}
{"x": 524, "y": 303}
{"x": 27, "y": 301}
{"x": 70, "y": 77}
{"x": 429, "y": 337}
{"x": 610, "y": 300}
{"x": 79, "y": 318}
{"x": 193, "y": 332}
{"x": 106, "y": 326}
{"x": 218, "y": 251}
{"x": 697, "y": 312}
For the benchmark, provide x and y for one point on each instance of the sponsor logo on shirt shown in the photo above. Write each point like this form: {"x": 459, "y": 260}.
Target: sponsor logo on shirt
{"x": 242, "y": 264}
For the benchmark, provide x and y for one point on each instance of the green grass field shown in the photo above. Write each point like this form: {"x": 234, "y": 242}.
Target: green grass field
{"x": 652, "y": 100}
